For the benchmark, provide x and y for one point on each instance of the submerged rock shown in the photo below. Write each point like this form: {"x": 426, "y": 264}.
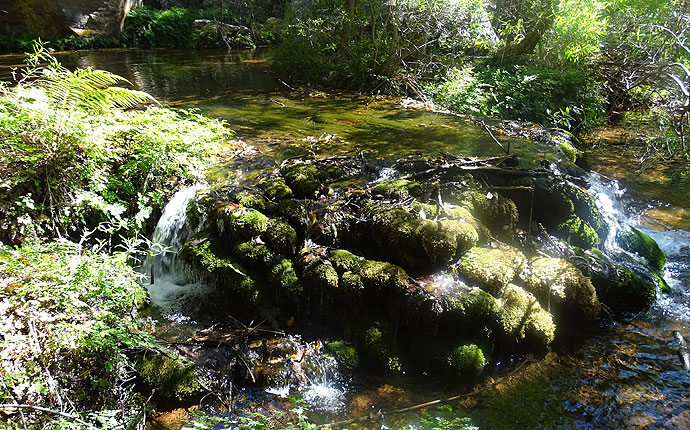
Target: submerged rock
{"x": 169, "y": 377}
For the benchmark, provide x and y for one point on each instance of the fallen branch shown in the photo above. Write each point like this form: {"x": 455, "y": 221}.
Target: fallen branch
{"x": 11, "y": 406}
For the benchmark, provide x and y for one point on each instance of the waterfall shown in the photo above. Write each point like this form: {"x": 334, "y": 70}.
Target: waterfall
{"x": 609, "y": 198}
{"x": 168, "y": 281}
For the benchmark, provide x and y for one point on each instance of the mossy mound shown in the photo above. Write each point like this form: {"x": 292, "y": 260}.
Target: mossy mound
{"x": 240, "y": 223}
{"x": 302, "y": 179}
{"x": 467, "y": 310}
{"x": 254, "y": 200}
{"x": 492, "y": 268}
{"x": 578, "y": 232}
{"x": 380, "y": 348}
{"x": 284, "y": 277}
{"x": 417, "y": 243}
{"x": 295, "y": 212}
{"x": 171, "y": 378}
{"x": 280, "y": 237}
{"x": 380, "y": 275}
{"x": 633, "y": 240}
{"x": 496, "y": 212}
{"x": 209, "y": 261}
{"x": 275, "y": 188}
{"x": 466, "y": 360}
{"x": 345, "y": 353}
{"x": 397, "y": 189}
{"x": 561, "y": 287}
{"x": 320, "y": 274}
{"x": 254, "y": 254}
{"x": 523, "y": 317}
{"x": 345, "y": 261}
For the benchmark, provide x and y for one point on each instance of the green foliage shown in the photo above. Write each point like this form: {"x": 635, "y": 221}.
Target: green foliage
{"x": 73, "y": 158}
{"x": 525, "y": 92}
{"x": 153, "y": 28}
{"x": 68, "y": 319}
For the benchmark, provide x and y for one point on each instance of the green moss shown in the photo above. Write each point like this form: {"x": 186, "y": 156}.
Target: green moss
{"x": 345, "y": 261}
{"x": 254, "y": 200}
{"x": 333, "y": 173}
{"x": 281, "y": 237}
{"x": 398, "y": 189}
{"x": 661, "y": 283}
{"x": 492, "y": 268}
{"x": 380, "y": 347}
{"x": 283, "y": 276}
{"x": 345, "y": 353}
{"x": 523, "y": 317}
{"x": 579, "y": 232}
{"x": 639, "y": 243}
{"x": 497, "y": 212}
{"x": 275, "y": 188}
{"x": 302, "y": 178}
{"x": 240, "y": 223}
{"x": 295, "y": 213}
{"x": 560, "y": 286}
{"x": 445, "y": 240}
{"x": 321, "y": 274}
{"x": 383, "y": 275}
{"x": 465, "y": 310}
{"x": 169, "y": 377}
{"x": 351, "y": 282}
{"x": 571, "y": 153}
{"x": 467, "y": 360}
{"x": 254, "y": 255}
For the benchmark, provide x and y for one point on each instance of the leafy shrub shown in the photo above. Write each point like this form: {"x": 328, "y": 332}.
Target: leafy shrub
{"x": 152, "y": 28}
{"x": 73, "y": 158}
{"x": 67, "y": 317}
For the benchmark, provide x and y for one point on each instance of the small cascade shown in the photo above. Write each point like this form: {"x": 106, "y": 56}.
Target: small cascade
{"x": 168, "y": 280}
{"x": 610, "y": 200}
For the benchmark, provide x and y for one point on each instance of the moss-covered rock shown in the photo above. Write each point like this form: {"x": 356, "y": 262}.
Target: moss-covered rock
{"x": 254, "y": 254}
{"x": 523, "y": 317}
{"x": 280, "y": 237}
{"x": 171, "y": 378}
{"x": 275, "y": 188}
{"x": 397, "y": 189}
{"x": 239, "y": 223}
{"x": 445, "y": 240}
{"x": 492, "y": 268}
{"x": 284, "y": 277}
{"x": 252, "y": 199}
{"x": 302, "y": 179}
{"x": 210, "y": 262}
{"x": 633, "y": 240}
{"x": 295, "y": 212}
{"x": 320, "y": 274}
{"x": 345, "y": 261}
{"x": 466, "y": 310}
{"x": 561, "y": 287}
{"x": 380, "y": 348}
{"x": 497, "y": 212}
{"x": 579, "y": 232}
{"x": 345, "y": 353}
{"x": 379, "y": 275}
{"x": 352, "y": 284}
{"x": 466, "y": 360}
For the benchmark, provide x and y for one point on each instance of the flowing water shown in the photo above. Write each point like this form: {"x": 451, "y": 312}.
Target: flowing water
{"x": 627, "y": 375}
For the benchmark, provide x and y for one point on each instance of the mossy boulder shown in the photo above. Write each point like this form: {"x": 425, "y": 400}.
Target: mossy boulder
{"x": 352, "y": 284}
{"x": 467, "y": 310}
{"x": 444, "y": 241}
{"x": 284, "y": 277}
{"x": 171, "y": 378}
{"x": 492, "y": 268}
{"x": 523, "y": 318}
{"x": 209, "y": 261}
{"x": 345, "y": 261}
{"x": 254, "y": 254}
{"x": 633, "y": 240}
{"x": 561, "y": 288}
{"x": 254, "y": 200}
{"x": 240, "y": 223}
{"x": 345, "y": 353}
{"x": 320, "y": 274}
{"x": 302, "y": 179}
{"x": 380, "y": 348}
{"x": 275, "y": 188}
{"x": 378, "y": 275}
{"x": 578, "y": 232}
{"x": 295, "y": 212}
{"x": 397, "y": 189}
{"x": 466, "y": 360}
{"x": 495, "y": 211}
{"x": 280, "y": 237}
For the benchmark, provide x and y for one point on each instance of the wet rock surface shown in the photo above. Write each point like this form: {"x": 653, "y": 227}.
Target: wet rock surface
{"x": 426, "y": 264}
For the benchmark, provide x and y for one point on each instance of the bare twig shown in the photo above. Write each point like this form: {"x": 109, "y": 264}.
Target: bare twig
{"x": 11, "y": 406}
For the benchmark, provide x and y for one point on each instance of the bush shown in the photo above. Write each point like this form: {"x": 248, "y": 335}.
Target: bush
{"x": 67, "y": 317}
{"x": 153, "y": 28}
{"x": 72, "y": 158}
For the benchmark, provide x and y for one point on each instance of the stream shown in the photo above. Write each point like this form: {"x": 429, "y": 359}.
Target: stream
{"x": 627, "y": 375}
